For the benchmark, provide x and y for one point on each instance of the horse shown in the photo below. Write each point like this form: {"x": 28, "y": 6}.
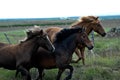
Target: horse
{"x": 90, "y": 23}
{"x": 18, "y": 56}
{"x": 3, "y": 44}
{"x": 65, "y": 44}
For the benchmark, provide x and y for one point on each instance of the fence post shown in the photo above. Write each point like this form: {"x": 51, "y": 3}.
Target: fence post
{"x": 7, "y": 38}
{"x": 92, "y": 37}
{"x": 92, "y": 55}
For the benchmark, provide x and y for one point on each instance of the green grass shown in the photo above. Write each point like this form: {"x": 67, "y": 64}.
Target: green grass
{"x": 14, "y": 36}
{"x": 104, "y": 46}
{"x": 98, "y": 68}
{"x": 104, "y": 65}
{"x": 34, "y": 22}
{"x": 7, "y": 74}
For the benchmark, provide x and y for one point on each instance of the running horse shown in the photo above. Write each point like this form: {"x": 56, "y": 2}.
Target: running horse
{"x": 18, "y": 56}
{"x": 90, "y": 23}
{"x": 65, "y": 44}
{"x": 3, "y": 44}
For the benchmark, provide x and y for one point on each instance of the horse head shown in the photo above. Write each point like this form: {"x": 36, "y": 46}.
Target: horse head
{"x": 90, "y": 23}
{"x": 95, "y": 24}
{"x": 42, "y": 38}
{"x": 82, "y": 38}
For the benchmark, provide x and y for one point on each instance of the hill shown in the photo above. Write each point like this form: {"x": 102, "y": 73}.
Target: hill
{"x": 106, "y": 20}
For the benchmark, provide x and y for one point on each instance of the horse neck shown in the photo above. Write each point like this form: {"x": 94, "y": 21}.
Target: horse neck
{"x": 69, "y": 44}
{"x": 85, "y": 25}
{"x": 29, "y": 46}
{"x": 3, "y": 44}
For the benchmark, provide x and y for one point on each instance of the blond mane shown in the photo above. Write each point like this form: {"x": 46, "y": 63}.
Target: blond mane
{"x": 34, "y": 30}
{"x": 85, "y": 19}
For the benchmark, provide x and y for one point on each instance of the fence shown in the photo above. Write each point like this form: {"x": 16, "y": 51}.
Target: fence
{"x": 13, "y": 34}
{"x": 12, "y": 37}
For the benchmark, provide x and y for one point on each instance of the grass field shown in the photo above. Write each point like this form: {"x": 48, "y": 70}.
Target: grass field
{"x": 102, "y": 64}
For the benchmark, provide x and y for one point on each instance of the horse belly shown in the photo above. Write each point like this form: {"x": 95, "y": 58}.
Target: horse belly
{"x": 7, "y": 62}
{"x": 49, "y": 63}
{"x": 10, "y": 67}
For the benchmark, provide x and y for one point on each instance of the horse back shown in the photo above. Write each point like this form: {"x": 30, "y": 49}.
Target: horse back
{"x": 3, "y": 44}
{"x": 51, "y": 31}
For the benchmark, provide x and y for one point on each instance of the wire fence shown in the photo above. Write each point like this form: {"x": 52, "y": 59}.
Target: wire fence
{"x": 12, "y": 37}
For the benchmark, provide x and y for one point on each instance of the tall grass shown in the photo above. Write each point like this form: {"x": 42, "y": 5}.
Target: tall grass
{"x": 13, "y": 36}
{"x": 107, "y": 46}
{"x": 102, "y": 64}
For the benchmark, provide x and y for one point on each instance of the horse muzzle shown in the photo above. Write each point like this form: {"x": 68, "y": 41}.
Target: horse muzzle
{"x": 103, "y": 35}
{"x": 90, "y": 47}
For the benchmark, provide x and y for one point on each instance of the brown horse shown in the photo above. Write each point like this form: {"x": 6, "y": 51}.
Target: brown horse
{"x": 3, "y": 44}
{"x": 90, "y": 23}
{"x": 18, "y": 56}
{"x": 65, "y": 44}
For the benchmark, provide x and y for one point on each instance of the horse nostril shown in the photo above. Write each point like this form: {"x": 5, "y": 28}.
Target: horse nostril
{"x": 91, "y": 47}
{"x": 103, "y": 34}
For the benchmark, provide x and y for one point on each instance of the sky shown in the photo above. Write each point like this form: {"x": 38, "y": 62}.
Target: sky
{"x": 57, "y": 8}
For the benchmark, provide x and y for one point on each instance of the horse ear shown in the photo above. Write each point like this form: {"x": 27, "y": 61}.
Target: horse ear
{"x": 29, "y": 32}
{"x": 41, "y": 32}
{"x": 97, "y": 18}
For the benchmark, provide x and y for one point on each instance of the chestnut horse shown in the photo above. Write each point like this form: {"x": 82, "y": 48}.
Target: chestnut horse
{"x": 18, "y": 56}
{"x": 90, "y": 23}
{"x": 65, "y": 44}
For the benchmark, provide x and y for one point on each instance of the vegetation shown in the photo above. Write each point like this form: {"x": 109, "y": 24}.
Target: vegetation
{"x": 12, "y": 36}
{"x": 103, "y": 63}
{"x": 34, "y": 22}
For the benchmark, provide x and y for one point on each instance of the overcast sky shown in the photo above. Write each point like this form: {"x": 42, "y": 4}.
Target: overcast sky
{"x": 57, "y": 8}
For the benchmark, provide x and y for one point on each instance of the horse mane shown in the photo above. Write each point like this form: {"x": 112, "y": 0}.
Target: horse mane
{"x": 31, "y": 33}
{"x": 65, "y": 33}
{"x": 34, "y": 29}
{"x": 85, "y": 19}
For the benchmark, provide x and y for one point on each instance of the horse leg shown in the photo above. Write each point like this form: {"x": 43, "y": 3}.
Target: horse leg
{"x": 82, "y": 49}
{"x": 77, "y": 52}
{"x": 24, "y": 72}
{"x": 40, "y": 76}
{"x": 71, "y": 72}
{"x": 60, "y": 73}
{"x": 17, "y": 72}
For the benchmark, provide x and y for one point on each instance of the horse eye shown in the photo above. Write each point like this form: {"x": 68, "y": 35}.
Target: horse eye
{"x": 83, "y": 36}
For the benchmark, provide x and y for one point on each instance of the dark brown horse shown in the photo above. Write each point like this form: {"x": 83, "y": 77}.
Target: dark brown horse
{"x": 65, "y": 44}
{"x": 3, "y": 44}
{"x": 18, "y": 56}
{"x": 90, "y": 23}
